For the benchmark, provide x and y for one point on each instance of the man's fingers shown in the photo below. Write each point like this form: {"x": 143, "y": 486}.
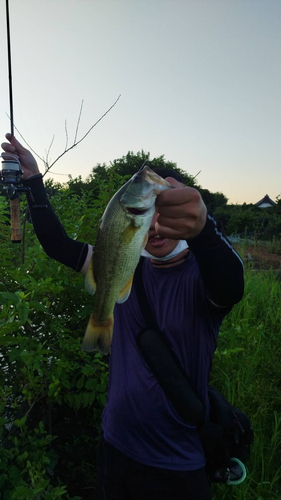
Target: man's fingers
{"x": 9, "y": 148}
{"x": 181, "y": 225}
{"x": 15, "y": 143}
{"x": 174, "y": 211}
{"x": 174, "y": 182}
{"x": 177, "y": 196}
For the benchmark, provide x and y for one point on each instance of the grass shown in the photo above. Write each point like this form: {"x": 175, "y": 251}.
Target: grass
{"x": 247, "y": 370}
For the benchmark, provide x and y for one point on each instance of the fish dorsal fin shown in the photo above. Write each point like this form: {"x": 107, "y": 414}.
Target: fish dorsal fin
{"x": 124, "y": 294}
{"x": 90, "y": 283}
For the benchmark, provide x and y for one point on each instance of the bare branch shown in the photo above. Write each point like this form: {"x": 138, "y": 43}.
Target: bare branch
{"x": 77, "y": 127}
{"x": 97, "y": 121}
{"x": 80, "y": 140}
{"x": 56, "y": 173}
{"x": 66, "y": 135}
{"x": 48, "y": 152}
{"x": 196, "y": 175}
{"x": 38, "y": 156}
{"x": 46, "y": 161}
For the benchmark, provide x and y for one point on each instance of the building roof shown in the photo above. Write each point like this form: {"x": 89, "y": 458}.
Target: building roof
{"x": 267, "y": 200}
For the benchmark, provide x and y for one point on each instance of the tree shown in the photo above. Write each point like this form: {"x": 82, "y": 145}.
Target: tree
{"x": 122, "y": 169}
{"x": 213, "y": 200}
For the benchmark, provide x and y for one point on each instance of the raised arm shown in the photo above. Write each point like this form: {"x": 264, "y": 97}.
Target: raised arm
{"x": 49, "y": 230}
{"x": 183, "y": 215}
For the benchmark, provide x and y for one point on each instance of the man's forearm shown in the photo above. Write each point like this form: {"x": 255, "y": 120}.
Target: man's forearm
{"x": 49, "y": 229}
{"x": 220, "y": 266}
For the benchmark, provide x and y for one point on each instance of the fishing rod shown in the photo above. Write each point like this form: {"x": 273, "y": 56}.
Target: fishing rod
{"x": 11, "y": 173}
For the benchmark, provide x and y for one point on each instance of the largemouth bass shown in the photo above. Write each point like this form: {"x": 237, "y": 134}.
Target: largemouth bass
{"x": 121, "y": 236}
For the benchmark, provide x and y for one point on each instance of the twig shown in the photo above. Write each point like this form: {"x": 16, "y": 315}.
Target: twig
{"x": 56, "y": 173}
{"x": 48, "y": 152}
{"x": 66, "y": 134}
{"x": 78, "y": 121}
{"x": 97, "y": 121}
{"x": 47, "y": 166}
{"x": 80, "y": 140}
{"x": 194, "y": 176}
{"x": 38, "y": 156}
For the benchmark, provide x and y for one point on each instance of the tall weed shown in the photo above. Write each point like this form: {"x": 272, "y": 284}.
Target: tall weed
{"x": 247, "y": 370}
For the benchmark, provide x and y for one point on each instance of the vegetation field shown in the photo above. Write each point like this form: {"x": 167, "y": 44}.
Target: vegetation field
{"x": 248, "y": 371}
{"x": 52, "y": 394}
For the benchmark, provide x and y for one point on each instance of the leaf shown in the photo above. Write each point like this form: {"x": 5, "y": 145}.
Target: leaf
{"x": 20, "y": 422}
{"x": 22, "y": 492}
{"x": 8, "y": 328}
{"x": 91, "y": 384}
{"x": 24, "y": 455}
{"x": 37, "y": 306}
{"x": 80, "y": 382}
{"x": 23, "y": 312}
{"x": 9, "y": 297}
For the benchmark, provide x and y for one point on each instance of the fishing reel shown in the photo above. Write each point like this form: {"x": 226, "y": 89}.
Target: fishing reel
{"x": 11, "y": 175}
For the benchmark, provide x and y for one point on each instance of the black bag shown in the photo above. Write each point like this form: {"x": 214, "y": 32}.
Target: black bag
{"x": 227, "y": 436}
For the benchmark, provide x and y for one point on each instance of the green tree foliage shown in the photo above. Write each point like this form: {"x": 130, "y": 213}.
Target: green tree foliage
{"x": 243, "y": 220}
{"x": 213, "y": 200}
{"x": 123, "y": 168}
{"x": 51, "y": 393}
{"x": 251, "y": 221}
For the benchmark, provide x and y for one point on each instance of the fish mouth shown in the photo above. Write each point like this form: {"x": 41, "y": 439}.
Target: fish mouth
{"x": 155, "y": 240}
{"x": 136, "y": 211}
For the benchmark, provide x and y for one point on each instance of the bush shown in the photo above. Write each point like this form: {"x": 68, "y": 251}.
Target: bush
{"x": 52, "y": 393}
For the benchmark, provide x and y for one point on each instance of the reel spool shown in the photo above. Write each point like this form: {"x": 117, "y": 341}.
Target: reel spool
{"x": 10, "y": 177}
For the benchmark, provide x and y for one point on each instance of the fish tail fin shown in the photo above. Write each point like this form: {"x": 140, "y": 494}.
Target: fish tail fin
{"x": 98, "y": 335}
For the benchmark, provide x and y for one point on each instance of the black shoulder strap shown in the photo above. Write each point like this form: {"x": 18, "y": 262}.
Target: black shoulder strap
{"x": 164, "y": 363}
{"x": 142, "y": 297}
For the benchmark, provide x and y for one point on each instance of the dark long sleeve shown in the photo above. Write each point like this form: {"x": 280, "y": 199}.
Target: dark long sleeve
{"x": 49, "y": 231}
{"x": 220, "y": 265}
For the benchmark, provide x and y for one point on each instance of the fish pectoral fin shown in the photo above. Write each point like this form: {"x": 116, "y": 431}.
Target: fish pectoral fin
{"x": 90, "y": 283}
{"x": 124, "y": 294}
{"x": 98, "y": 335}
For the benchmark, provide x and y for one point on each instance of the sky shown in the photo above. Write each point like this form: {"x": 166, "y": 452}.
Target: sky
{"x": 200, "y": 82}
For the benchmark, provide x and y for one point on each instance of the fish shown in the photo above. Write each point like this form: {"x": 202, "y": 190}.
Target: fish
{"x": 121, "y": 236}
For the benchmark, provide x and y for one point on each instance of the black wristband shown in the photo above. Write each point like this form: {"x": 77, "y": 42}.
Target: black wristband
{"x": 49, "y": 230}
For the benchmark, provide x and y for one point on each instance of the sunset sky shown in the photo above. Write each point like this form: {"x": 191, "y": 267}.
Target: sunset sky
{"x": 200, "y": 82}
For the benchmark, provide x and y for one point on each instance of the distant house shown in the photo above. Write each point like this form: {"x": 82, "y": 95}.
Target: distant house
{"x": 265, "y": 202}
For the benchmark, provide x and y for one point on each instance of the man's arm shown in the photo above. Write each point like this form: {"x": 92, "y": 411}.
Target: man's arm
{"x": 182, "y": 214}
{"x": 220, "y": 266}
{"x": 49, "y": 230}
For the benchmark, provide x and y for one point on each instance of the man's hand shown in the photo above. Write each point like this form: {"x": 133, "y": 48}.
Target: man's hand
{"x": 181, "y": 212}
{"x": 28, "y": 162}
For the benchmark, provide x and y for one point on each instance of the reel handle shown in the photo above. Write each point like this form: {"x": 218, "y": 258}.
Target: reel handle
{"x": 15, "y": 219}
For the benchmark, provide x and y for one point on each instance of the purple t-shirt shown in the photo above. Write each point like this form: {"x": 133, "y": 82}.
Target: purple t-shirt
{"x": 138, "y": 419}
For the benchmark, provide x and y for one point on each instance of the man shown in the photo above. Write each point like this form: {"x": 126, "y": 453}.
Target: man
{"x": 147, "y": 452}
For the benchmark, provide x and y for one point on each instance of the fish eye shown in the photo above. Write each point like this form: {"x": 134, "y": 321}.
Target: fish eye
{"x": 137, "y": 178}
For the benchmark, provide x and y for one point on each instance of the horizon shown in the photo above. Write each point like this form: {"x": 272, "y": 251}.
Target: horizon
{"x": 200, "y": 186}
